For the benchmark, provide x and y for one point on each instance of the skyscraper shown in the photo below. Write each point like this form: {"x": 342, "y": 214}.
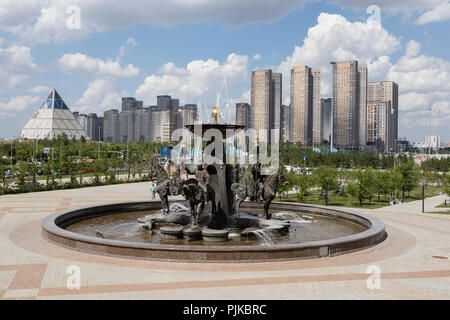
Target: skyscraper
{"x": 94, "y": 126}
{"x": 128, "y": 118}
{"x": 143, "y": 126}
{"x": 130, "y": 103}
{"x": 286, "y": 123}
{"x": 346, "y": 104}
{"x": 111, "y": 125}
{"x": 243, "y": 114}
{"x": 387, "y": 92}
{"x": 378, "y": 122}
{"x": 83, "y": 119}
{"x": 317, "y": 111}
{"x": 277, "y": 84}
{"x": 265, "y": 101}
{"x": 301, "y": 104}
{"x": 187, "y": 115}
{"x": 326, "y": 118}
{"x": 362, "y": 72}
{"x": 167, "y": 112}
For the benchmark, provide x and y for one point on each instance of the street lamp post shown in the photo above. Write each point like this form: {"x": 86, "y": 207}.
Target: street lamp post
{"x": 429, "y": 131}
{"x": 98, "y": 157}
{"x": 423, "y": 196}
{"x": 326, "y": 191}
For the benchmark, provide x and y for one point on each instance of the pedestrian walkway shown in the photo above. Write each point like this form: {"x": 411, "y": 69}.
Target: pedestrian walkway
{"x": 413, "y": 261}
{"x": 416, "y": 206}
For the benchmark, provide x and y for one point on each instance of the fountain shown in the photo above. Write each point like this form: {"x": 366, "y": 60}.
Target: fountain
{"x": 214, "y": 222}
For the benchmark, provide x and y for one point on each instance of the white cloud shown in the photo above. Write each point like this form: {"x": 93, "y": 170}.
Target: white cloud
{"x": 16, "y": 65}
{"x": 424, "y": 81}
{"x": 100, "y": 96}
{"x": 257, "y": 57}
{"x": 79, "y": 63}
{"x": 18, "y": 104}
{"x": 209, "y": 82}
{"x": 389, "y": 5}
{"x": 420, "y": 73}
{"x": 131, "y": 42}
{"x": 40, "y": 89}
{"x": 39, "y": 21}
{"x": 46, "y": 20}
{"x": 439, "y": 13}
{"x": 334, "y": 38}
{"x": 379, "y": 68}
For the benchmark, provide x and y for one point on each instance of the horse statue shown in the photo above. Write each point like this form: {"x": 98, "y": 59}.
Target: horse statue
{"x": 270, "y": 190}
{"x": 256, "y": 186}
{"x": 197, "y": 196}
{"x": 241, "y": 189}
{"x": 166, "y": 183}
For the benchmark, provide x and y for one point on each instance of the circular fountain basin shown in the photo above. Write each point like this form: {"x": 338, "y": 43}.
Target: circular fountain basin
{"x": 319, "y": 232}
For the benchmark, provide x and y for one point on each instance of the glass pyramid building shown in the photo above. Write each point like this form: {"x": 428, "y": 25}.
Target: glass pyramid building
{"x": 52, "y": 119}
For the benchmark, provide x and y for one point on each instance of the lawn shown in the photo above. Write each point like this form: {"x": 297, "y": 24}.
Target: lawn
{"x": 348, "y": 201}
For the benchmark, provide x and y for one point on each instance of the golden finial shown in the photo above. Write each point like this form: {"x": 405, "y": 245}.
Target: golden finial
{"x": 215, "y": 114}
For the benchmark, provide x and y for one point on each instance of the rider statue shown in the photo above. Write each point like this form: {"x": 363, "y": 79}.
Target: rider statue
{"x": 258, "y": 179}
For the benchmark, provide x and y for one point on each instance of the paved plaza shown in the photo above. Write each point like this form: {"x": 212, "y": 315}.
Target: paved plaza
{"x": 414, "y": 260}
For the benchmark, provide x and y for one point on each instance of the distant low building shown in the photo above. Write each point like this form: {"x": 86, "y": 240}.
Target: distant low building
{"x": 433, "y": 142}
{"x": 153, "y": 123}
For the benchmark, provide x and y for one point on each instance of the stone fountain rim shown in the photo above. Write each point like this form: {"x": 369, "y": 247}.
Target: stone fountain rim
{"x": 53, "y": 230}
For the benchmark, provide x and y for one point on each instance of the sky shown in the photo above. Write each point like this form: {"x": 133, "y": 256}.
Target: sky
{"x": 94, "y": 52}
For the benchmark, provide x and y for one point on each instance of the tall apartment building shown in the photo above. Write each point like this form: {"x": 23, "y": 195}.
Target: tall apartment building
{"x": 378, "y": 122}
{"x": 285, "y": 123}
{"x": 91, "y": 124}
{"x": 346, "y": 103}
{"x": 130, "y": 103}
{"x": 386, "y": 92}
{"x": 317, "y": 111}
{"x": 111, "y": 127}
{"x": 362, "y": 72}
{"x": 127, "y": 131}
{"x": 166, "y": 114}
{"x": 265, "y": 101}
{"x": 326, "y": 118}
{"x": 83, "y": 119}
{"x": 95, "y": 125}
{"x": 243, "y": 114}
{"x": 143, "y": 122}
{"x": 301, "y": 105}
{"x": 186, "y": 115}
{"x": 277, "y": 84}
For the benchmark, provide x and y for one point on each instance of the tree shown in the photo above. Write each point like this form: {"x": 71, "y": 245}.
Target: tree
{"x": 446, "y": 184}
{"x": 410, "y": 175}
{"x": 303, "y": 182}
{"x": 394, "y": 183}
{"x": 322, "y": 174}
{"x": 380, "y": 184}
{"x": 364, "y": 186}
{"x": 3, "y": 170}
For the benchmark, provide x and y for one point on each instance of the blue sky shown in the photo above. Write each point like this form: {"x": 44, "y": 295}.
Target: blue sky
{"x": 191, "y": 49}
